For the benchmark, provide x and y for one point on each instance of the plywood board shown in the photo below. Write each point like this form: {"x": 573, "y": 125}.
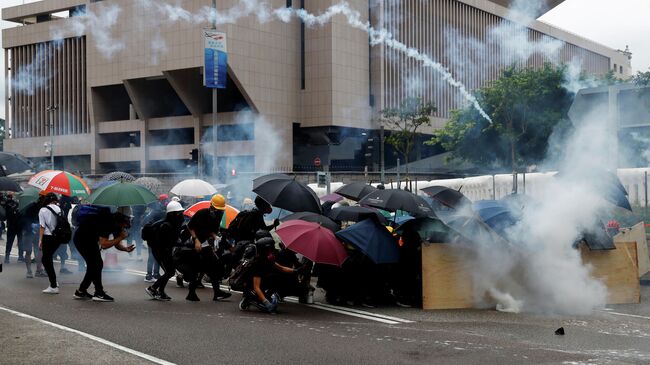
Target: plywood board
{"x": 618, "y": 269}
{"x": 446, "y": 277}
{"x": 637, "y": 234}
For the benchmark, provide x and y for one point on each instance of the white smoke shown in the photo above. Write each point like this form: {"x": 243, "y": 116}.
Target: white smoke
{"x": 645, "y": 141}
{"x": 32, "y": 76}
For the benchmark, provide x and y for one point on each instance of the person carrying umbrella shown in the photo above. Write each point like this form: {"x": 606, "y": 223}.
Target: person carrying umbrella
{"x": 204, "y": 229}
{"x": 92, "y": 236}
{"x": 166, "y": 235}
{"x": 14, "y": 230}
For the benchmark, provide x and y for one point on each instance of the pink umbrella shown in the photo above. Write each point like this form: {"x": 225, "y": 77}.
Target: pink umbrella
{"x": 334, "y": 197}
{"x": 313, "y": 241}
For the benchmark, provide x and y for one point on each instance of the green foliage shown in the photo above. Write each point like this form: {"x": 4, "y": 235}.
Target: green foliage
{"x": 525, "y": 104}
{"x": 642, "y": 78}
{"x": 403, "y": 123}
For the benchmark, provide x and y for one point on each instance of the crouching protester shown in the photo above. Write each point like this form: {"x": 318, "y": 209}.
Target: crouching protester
{"x": 204, "y": 229}
{"x": 253, "y": 273}
{"x": 162, "y": 236}
{"x": 94, "y": 227}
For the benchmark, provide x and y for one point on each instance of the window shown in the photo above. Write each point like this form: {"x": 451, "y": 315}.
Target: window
{"x": 302, "y": 49}
{"x": 615, "y": 67}
{"x": 289, "y": 3}
{"x": 621, "y": 68}
{"x": 236, "y": 132}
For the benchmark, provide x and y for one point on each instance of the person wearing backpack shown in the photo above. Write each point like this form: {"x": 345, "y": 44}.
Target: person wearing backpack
{"x": 247, "y": 222}
{"x": 161, "y": 238}
{"x": 48, "y": 220}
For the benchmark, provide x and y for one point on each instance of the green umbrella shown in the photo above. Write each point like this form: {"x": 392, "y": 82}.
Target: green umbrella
{"x": 122, "y": 194}
{"x": 26, "y": 197}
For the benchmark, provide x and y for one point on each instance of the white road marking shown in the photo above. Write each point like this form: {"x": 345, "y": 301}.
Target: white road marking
{"x": 625, "y": 314}
{"x": 89, "y": 336}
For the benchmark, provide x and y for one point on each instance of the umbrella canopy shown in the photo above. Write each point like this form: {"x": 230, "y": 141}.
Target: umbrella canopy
{"x": 356, "y": 214}
{"x": 150, "y": 183}
{"x": 118, "y": 176}
{"x": 284, "y": 191}
{"x": 473, "y": 229}
{"x": 355, "y": 191}
{"x": 373, "y": 240}
{"x": 26, "y": 197}
{"x": 60, "y": 182}
{"x": 497, "y": 214}
{"x": 315, "y": 218}
{"x": 6, "y": 184}
{"x": 447, "y": 196}
{"x": 193, "y": 187}
{"x": 122, "y": 194}
{"x": 396, "y": 199}
{"x": 331, "y": 198}
{"x": 230, "y": 213}
{"x": 13, "y": 163}
{"x": 429, "y": 229}
{"x": 313, "y": 241}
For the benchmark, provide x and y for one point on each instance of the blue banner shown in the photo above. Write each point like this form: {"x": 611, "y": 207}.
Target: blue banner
{"x": 215, "y": 73}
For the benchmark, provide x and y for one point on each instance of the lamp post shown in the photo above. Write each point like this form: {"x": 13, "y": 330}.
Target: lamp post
{"x": 215, "y": 168}
{"x": 51, "y": 109}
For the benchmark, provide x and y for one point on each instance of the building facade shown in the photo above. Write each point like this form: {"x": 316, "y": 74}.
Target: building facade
{"x": 117, "y": 84}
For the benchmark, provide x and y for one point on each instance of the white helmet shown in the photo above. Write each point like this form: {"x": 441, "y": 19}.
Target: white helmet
{"x": 174, "y": 207}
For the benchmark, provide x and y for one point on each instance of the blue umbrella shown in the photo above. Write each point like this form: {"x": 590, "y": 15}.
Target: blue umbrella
{"x": 401, "y": 219}
{"x": 497, "y": 214}
{"x": 373, "y": 240}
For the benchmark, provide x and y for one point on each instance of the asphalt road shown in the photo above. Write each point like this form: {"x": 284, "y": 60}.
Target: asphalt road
{"x": 218, "y": 332}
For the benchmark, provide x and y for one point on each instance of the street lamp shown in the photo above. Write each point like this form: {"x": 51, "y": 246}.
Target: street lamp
{"x": 51, "y": 109}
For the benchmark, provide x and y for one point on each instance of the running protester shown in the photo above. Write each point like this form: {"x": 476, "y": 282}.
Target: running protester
{"x": 92, "y": 236}
{"x": 47, "y": 242}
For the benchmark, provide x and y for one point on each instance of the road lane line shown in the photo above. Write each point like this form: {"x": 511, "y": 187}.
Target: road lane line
{"x": 624, "y": 314}
{"x": 397, "y": 319}
{"x": 89, "y": 336}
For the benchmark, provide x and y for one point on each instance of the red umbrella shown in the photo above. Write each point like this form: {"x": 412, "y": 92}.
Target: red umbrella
{"x": 313, "y": 241}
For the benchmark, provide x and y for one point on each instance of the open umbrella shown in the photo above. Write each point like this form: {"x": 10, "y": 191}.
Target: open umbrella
{"x": 331, "y": 198}
{"x": 60, "y": 182}
{"x": 13, "y": 163}
{"x": 102, "y": 183}
{"x": 286, "y": 192}
{"x": 373, "y": 239}
{"x": 497, "y": 214}
{"x": 447, "y": 196}
{"x": 122, "y": 194}
{"x": 313, "y": 241}
{"x": 474, "y": 229}
{"x": 26, "y": 197}
{"x": 429, "y": 229}
{"x": 6, "y": 184}
{"x": 396, "y": 199}
{"x": 230, "y": 213}
{"x": 193, "y": 187}
{"x": 118, "y": 176}
{"x": 355, "y": 191}
{"x": 356, "y": 214}
{"x": 315, "y": 218}
{"x": 150, "y": 183}
{"x": 607, "y": 182}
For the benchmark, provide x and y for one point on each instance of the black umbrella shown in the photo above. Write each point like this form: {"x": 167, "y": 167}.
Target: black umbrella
{"x": 355, "y": 191}
{"x": 118, "y": 176}
{"x": 429, "y": 229}
{"x": 6, "y": 184}
{"x": 395, "y": 199}
{"x": 447, "y": 196}
{"x": 13, "y": 163}
{"x": 315, "y": 218}
{"x": 285, "y": 192}
{"x": 356, "y": 214}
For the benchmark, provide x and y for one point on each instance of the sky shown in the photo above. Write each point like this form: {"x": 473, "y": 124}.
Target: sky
{"x": 612, "y": 23}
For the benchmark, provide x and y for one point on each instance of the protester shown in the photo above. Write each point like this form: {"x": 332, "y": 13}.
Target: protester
{"x": 47, "y": 242}
{"x": 137, "y": 223}
{"x": 165, "y": 236}
{"x": 204, "y": 229}
{"x": 14, "y": 229}
{"x": 65, "y": 203}
{"x": 247, "y": 222}
{"x": 155, "y": 213}
{"x": 92, "y": 235}
{"x": 28, "y": 242}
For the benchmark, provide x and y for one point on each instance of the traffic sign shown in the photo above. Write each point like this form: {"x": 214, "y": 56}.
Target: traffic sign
{"x": 317, "y": 162}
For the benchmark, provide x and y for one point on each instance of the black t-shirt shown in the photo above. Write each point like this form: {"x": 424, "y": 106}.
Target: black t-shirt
{"x": 205, "y": 222}
{"x": 96, "y": 226}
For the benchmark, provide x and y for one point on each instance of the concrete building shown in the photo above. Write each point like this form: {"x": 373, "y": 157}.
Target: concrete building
{"x": 126, "y": 78}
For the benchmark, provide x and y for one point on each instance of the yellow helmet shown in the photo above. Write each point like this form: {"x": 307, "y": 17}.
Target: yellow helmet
{"x": 218, "y": 202}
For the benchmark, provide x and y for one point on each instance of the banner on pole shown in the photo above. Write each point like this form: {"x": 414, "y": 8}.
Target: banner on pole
{"x": 215, "y": 59}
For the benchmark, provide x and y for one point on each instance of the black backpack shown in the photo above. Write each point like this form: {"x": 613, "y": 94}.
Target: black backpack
{"x": 148, "y": 232}
{"x": 241, "y": 275}
{"x": 62, "y": 232}
{"x": 237, "y": 230}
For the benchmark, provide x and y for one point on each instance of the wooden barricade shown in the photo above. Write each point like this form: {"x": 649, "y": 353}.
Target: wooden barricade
{"x": 617, "y": 269}
{"x": 637, "y": 234}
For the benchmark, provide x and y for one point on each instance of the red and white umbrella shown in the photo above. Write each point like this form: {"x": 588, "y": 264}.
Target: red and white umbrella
{"x": 60, "y": 182}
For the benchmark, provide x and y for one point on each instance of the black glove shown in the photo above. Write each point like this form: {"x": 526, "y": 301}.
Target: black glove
{"x": 276, "y": 222}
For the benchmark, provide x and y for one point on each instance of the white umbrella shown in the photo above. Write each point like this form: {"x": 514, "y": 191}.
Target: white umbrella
{"x": 193, "y": 187}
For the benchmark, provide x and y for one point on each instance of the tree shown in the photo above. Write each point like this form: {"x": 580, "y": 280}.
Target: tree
{"x": 525, "y": 105}
{"x": 642, "y": 78}
{"x": 403, "y": 123}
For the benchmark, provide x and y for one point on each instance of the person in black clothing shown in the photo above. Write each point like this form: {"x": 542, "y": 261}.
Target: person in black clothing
{"x": 28, "y": 223}
{"x": 91, "y": 236}
{"x": 253, "y": 222}
{"x": 204, "y": 228}
{"x": 14, "y": 229}
{"x": 167, "y": 235}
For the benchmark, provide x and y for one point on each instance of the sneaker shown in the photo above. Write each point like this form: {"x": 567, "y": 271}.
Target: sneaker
{"x": 403, "y": 304}
{"x": 83, "y": 295}
{"x": 179, "y": 282}
{"x": 29, "y": 275}
{"x": 156, "y": 276}
{"x": 65, "y": 271}
{"x": 219, "y": 295}
{"x": 21, "y": 259}
{"x": 192, "y": 297}
{"x": 102, "y": 297}
{"x": 163, "y": 296}
{"x": 51, "y": 290}
{"x": 149, "y": 279}
{"x": 7, "y": 260}
{"x": 41, "y": 274}
{"x": 153, "y": 293}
